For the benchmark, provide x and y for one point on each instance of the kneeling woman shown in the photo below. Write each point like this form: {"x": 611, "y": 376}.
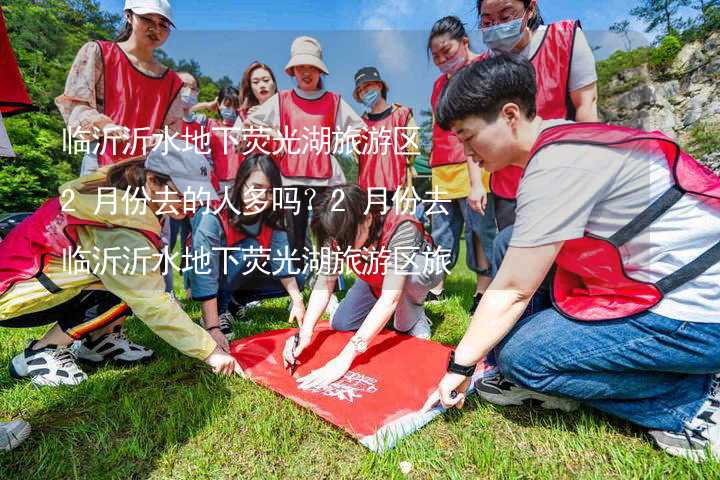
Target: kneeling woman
{"x": 252, "y": 230}
{"x": 633, "y": 235}
{"x": 395, "y": 272}
{"x": 115, "y": 245}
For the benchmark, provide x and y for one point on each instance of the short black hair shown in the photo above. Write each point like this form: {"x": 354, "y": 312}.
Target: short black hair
{"x": 484, "y": 87}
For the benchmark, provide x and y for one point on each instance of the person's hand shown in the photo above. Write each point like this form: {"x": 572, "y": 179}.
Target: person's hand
{"x": 222, "y": 363}
{"x": 220, "y": 339}
{"x": 297, "y": 312}
{"x": 477, "y": 200}
{"x": 291, "y": 351}
{"x": 450, "y": 392}
{"x": 331, "y": 372}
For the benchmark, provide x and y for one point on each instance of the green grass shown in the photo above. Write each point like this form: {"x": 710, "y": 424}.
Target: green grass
{"x": 171, "y": 418}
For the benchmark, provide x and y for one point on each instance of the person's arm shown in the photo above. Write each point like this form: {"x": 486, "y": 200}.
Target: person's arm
{"x": 78, "y": 104}
{"x": 520, "y": 275}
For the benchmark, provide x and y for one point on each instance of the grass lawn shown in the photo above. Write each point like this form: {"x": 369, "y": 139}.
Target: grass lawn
{"x": 171, "y": 418}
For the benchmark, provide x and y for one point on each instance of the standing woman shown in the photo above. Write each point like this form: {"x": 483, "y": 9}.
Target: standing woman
{"x": 566, "y": 83}
{"x": 117, "y": 91}
{"x": 297, "y": 113}
{"x": 450, "y": 48}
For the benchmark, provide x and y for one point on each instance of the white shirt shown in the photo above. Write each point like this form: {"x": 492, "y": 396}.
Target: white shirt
{"x": 567, "y": 190}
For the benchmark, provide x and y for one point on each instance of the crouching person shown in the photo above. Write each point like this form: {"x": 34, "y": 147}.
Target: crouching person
{"x": 395, "y": 272}
{"x": 246, "y": 242}
{"x": 631, "y": 225}
{"x": 86, "y": 226}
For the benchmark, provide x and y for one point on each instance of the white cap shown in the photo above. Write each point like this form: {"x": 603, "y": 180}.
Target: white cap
{"x": 143, "y": 7}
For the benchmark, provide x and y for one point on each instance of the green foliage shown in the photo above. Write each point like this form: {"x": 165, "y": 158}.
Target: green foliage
{"x": 704, "y": 139}
{"x": 663, "y": 56}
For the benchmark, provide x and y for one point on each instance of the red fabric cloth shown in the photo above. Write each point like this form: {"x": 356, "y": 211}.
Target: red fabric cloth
{"x": 13, "y": 95}
{"x": 388, "y": 383}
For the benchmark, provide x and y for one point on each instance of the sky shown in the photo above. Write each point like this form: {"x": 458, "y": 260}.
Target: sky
{"x": 224, "y": 36}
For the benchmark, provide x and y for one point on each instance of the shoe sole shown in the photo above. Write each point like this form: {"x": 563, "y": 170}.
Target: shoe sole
{"x": 545, "y": 402}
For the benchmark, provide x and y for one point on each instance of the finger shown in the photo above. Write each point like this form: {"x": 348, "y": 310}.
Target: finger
{"x": 431, "y": 402}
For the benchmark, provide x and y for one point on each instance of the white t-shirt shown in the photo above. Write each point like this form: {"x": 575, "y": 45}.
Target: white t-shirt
{"x": 5, "y": 147}
{"x": 567, "y": 190}
{"x": 582, "y": 65}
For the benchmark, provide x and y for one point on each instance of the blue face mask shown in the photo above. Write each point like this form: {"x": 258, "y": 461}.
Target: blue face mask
{"x": 370, "y": 98}
{"x": 504, "y": 37}
{"x": 228, "y": 114}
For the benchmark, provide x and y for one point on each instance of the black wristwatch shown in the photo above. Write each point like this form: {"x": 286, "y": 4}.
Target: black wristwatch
{"x": 459, "y": 369}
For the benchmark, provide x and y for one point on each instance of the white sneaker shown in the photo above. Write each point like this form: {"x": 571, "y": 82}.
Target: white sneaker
{"x": 13, "y": 434}
{"x": 113, "y": 346}
{"x": 225, "y": 321}
{"x": 499, "y": 390}
{"x": 421, "y": 329}
{"x": 49, "y": 366}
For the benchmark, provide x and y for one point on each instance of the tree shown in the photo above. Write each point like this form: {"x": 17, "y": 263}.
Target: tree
{"x": 659, "y": 14}
{"x": 623, "y": 28}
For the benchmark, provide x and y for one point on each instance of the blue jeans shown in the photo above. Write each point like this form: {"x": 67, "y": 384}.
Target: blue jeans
{"x": 651, "y": 370}
{"x": 447, "y": 230}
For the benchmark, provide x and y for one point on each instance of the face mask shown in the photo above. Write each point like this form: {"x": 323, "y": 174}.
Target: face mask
{"x": 188, "y": 98}
{"x": 504, "y": 37}
{"x": 228, "y": 114}
{"x": 453, "y": 65}
{"x": 370, "y": 99}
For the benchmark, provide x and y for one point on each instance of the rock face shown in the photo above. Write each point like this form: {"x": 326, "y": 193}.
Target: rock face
{"x": 673, "y": 106}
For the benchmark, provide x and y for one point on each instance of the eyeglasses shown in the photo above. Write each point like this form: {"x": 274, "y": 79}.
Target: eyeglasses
{"x": 505, "y": 16}
{"x": 150, "y": 23}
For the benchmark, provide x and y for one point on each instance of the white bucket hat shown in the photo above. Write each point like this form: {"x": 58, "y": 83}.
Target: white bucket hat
{"x": 306, "y": 51}
{"x": 143, "y": 7}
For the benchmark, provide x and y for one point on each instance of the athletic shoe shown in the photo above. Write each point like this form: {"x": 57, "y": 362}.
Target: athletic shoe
{"x": 476, "y": 302}
{"x": 700, "y": 437}
{"x": 501, "y": 391}
{"x": 49, "y": 366}
{"x": 13, "y": 434}
{"x": 225, "y": 323}
{"x": 421, "y": 329}
{"x": 433, "y": 297}
{"x": 114, "y": 346}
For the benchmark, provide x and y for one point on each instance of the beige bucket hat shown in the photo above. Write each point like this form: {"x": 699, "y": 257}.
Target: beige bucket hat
{"x": 306, "y": 51}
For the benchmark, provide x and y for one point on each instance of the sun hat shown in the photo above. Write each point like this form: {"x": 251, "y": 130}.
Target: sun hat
{"x": 306, "y": 51}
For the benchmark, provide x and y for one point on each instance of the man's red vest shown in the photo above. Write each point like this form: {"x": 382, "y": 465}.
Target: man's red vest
{"x": 303, "y": 124}
{"x": 384, "y": 166}
{"x": 374, "y": 272}
{"x": 590, "y": 280}
{"x": 133, "y": 100}
{"x": 552, "y": 63}
{"x": 49, "y": 232}
{"x": 446, "y": 148}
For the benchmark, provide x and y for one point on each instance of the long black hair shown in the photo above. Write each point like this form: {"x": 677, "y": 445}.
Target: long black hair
{"x": 534, "y": 22}
{"x": 271, "y": 216}
{"x": 126, "y": 30}
{"x": 450, "y": 25}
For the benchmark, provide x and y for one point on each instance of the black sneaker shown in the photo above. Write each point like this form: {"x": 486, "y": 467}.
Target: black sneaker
{"x": 499, "y": 390}
{"x": 48, "y": 366}
{"x": 476, "y": 302}
{"x": 700, "y": 437}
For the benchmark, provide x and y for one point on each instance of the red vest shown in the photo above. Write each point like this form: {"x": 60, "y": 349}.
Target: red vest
{"x": 552, "y": 64}
{"x": 49, "y": 232}
{"x": 13, "y": 95}
{"x": 305, "y": 123}
{"x": 226, "y": 156}
{"x": 446, "y": 148}
{"x": 133, "y": 100}
{"x": 386, "y": 167}
{"x": 590, "y": 281}
{"x": 373, "y": 272}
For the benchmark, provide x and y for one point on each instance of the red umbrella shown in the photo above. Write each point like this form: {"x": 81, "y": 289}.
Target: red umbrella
{"x": 13, "y": 94}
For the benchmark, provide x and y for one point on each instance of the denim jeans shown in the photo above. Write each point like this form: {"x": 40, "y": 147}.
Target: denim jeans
{"x": 648, "y": 369}
{"x": 447, "y": 230}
